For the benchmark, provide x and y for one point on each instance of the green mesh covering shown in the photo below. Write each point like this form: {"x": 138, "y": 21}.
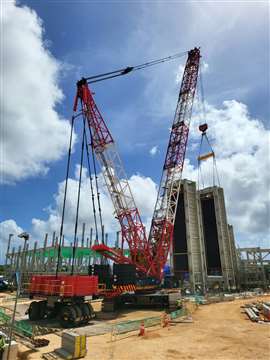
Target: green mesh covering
{"x": 134, "y": 325}
{"x": 67, "y": 251}
{"x": 21, "y": 327}
{"x": 178, "y": 313}
{"x": 199, "y": 299}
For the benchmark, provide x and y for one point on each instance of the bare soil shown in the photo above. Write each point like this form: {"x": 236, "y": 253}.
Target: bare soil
{"x": 219, "y": 331}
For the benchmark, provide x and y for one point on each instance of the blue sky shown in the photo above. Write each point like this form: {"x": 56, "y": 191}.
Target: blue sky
{"x": 81, "y": 38}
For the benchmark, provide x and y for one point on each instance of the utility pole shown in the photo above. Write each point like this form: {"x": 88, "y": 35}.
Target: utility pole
{"x": 24, "y": 236}
{"x": 8, "y": 248}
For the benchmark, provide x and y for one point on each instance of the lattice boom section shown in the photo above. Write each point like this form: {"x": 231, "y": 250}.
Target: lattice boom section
{"x": 133, "y": 231}
{"x": 160, "y": 236}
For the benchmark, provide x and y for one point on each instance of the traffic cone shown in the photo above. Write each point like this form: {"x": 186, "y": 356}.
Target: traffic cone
{"x": 166, "y": 320}
{"x": 142, "y": 329}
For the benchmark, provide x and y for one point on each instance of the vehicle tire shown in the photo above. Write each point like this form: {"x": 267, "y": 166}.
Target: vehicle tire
{"x": 91, "y": 310}
{"x": 79, "y": 314}
{"x": 68, "y": 316}
{"x": 34, "y": 311}
{"x": 42, "y": 309}
{"x": 86, "y": 313}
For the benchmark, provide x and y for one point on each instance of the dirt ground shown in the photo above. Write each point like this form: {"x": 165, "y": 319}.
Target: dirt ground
{"x": 219, "y": 331}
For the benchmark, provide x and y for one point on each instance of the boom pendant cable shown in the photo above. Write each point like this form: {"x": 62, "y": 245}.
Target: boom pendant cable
{"x": 128, "y": 69}
{"x": 91, "y": 186}
{"x": 65, "y": 197}
{"x": 97, "y": 187}
{"x": 78, "y": 201}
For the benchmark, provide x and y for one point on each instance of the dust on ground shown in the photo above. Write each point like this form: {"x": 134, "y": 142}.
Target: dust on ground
{"x": 219, "y": 332}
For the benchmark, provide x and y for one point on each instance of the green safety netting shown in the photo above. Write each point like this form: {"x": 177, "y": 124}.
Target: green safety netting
{"x": 67, "y": 252}
{"x": 134, "y": 325}
{"x": 178, "y": 313}
{"x": 21, "y": 327}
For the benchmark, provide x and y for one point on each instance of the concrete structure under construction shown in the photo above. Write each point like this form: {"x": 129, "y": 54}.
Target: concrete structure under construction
{"x": 204, "y": 254}
{"x": 218, "y": 239}
{"x": 188, "y": 250}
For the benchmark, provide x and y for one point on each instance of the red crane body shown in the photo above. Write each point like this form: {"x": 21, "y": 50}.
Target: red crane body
{"x": 149, "y": 255}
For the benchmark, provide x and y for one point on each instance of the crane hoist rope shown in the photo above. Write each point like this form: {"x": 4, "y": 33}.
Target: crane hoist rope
{"x": 205, "y": 156}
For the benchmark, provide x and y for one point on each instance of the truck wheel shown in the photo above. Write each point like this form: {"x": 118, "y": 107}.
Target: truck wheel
{"x": 42, "y": 309}
{"x": 79, "y": 314}
{"x": 34, "y": 311}
{"x": 86, "y": 313}
{"x": 91, "y": 310}
{"x": 68, "y": 316}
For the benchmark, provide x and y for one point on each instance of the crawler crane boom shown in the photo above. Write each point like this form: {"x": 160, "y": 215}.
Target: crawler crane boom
{"x": 161, "y": 231}
{"x": 149, "y": 255}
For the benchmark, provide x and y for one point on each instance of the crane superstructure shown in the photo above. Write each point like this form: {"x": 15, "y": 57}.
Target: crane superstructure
{"x": 149, "y": 255}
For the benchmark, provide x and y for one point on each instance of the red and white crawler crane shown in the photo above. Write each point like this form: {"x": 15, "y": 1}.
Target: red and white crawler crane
{"x": 66, "y": 292}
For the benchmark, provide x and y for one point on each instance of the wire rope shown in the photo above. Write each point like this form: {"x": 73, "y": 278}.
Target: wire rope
{"x": 78, "y": 202}
{"x": 91, "y": 186}
{"x": 128, "y": 69}
{"x": 97, "y": 186}
{"x": 65, "y": 196}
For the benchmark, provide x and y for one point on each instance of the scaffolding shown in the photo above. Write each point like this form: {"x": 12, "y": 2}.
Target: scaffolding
{"x": 38, "y": 260}
{"x": 254, "y": 267}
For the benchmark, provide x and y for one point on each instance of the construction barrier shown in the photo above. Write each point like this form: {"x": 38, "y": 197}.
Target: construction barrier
{"x": 178, "y": 313}
{"x": 21, "y": 327}
{"x": 135, "y": 325}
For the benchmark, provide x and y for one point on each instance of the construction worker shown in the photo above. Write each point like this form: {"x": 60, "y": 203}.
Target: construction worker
{"x": 2, "y": 346}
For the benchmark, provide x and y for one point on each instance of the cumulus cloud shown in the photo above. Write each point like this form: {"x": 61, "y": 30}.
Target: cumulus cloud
{"x": 241, "y": 144}
{"x": 154, "y": 150}
{"x": 32, "y": 134}
{"x": 143, "y": 189}
{"x": 8, "y": 227}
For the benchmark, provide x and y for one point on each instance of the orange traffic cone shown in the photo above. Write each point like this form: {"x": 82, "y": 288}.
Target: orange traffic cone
{"x": 166, "y": 320}
{"x": 142, "y": 329}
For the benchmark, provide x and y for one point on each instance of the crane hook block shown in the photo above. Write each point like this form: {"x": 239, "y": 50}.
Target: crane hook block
{"x": 203, "y": 128}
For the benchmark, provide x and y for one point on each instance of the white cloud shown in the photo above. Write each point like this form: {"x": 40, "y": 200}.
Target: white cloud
{"x": 204, "y": 66}
{"x": 179, "y": 74}
{"x": 154, "y": 150}
{"x": 241, "y": 144}
{"x": 8, "y": 227}
{"x": 143, "y": 189}
{"x": 32, "y": 132}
